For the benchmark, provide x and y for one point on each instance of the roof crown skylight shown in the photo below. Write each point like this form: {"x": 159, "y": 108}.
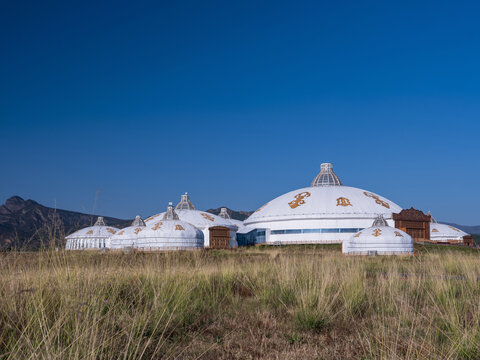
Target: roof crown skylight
{"x": 224, "y": 213}
{"x": 326, "y": 177}
{"x": 138, "y": 221}
{"x": 185, "y": 203}
{"x": 100, "y": 221}
{"x": 433, "y": 220}
{"x": 379, "y": 221}
{"x": 170, "y": 214}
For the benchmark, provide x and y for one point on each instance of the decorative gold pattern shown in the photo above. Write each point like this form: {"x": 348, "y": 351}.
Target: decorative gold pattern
{"x": 377, "y": 199}
{"x": 90, "y": 232}
{"x": 398, "y": 234}
{"x": 358, "y": 235}
{"x": 343, "y": 201}
{"x": 121, "y": 232}
{"x": 179, "y": 227}
{"x": 111, "y": 231}
{"x": 137, "y": 230}
{"x": 451, "y": 227}
{"x": 377, "y": 232}
{"x": 434, "y": 230}
{"x": 206, "y": 216}
{"x": 157, "y": 225}
{"x": 152, "y": 217}
{"x": 261, "y": 207}
{"x": 299, "y": 199}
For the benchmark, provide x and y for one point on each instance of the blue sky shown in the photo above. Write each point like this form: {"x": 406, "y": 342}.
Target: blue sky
{"x": 239, "y": 103}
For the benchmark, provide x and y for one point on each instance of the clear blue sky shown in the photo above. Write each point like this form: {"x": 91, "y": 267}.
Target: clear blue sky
{"x": 239, "y": 103}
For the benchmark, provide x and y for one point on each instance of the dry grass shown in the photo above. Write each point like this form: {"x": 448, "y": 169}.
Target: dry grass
{"x": 275, "y": 303}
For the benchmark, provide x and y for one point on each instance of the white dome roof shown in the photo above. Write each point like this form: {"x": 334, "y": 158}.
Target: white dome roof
{"x": 92, "y": 237}
{"x": 324, "y": 202}
{"x": 186, "y": 212}
{"x": 169, "y": 235}
{"x": 444, "y": 232}
{"x": 200, "y": 219}
{"x": 379, "y": 238}
{"x": 98, "y": 230}
{"x": 126, "y": 236}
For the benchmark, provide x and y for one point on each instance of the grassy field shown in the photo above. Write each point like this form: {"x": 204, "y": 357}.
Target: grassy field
{"x": 258, "y": 303}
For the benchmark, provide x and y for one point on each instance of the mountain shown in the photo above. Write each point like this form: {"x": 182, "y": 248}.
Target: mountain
{"x": 236, "y": 215}
{"x": 27, "y": 224}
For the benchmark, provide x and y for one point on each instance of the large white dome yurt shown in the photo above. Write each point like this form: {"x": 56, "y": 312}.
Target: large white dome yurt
{"x": 125, "y": 238}
{"x": 200, "y": 219}
{"x": 445, "y": 233}
{"x": 379, "y": 239}
{"x": 169, "y": 233}
{"x": 92, "y": 237}
{"x": 325, "y": 212}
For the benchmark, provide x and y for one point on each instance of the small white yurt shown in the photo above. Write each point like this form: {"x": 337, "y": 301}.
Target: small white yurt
{"x": 169, "y": 233}
{"x": 379, "y": 239}
{"x": 125, "y": 238}
{"x": 445, "y": 233}
{"x": 92, "y": 237}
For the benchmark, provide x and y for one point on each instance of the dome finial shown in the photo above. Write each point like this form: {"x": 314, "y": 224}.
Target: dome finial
{"x": 138, "y": 221}
{"x": 185, "y": 203}
{"x": 326, "y": 177}
{"x": 379, "y": 221}
{"x": 170, "y": 214}
{"x": 433, "y": 220}
{"x": 223, "y": 213}
{"x": 100, "y": 221}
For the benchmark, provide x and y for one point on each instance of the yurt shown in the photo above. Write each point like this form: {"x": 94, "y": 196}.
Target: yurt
{"x": 445, "y": 233}
{"x": 379, "y": 239}
{"x": 202, "y": 220}
{"x": 168, "y": 232}
{"x": 325, "y": 212}
{"x": 92, "y": 237}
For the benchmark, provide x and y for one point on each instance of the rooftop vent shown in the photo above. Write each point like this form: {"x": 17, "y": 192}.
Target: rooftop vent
{"x": 433, "y": 221}
{"x": 138, "y": 221}
{"x": 224, "y": 213}
{"x": 100, "y": 221}
{"x": 326, "y": 177}
{"x": 170, "y": 214}
{"x": 185, "y": 203}
{"x": 379, "y": 221}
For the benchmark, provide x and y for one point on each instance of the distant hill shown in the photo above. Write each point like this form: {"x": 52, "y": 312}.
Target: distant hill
{"x": 26, "y": 224}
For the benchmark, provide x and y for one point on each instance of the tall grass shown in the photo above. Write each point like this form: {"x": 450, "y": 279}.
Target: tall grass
{"x": 298, "y": 302}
